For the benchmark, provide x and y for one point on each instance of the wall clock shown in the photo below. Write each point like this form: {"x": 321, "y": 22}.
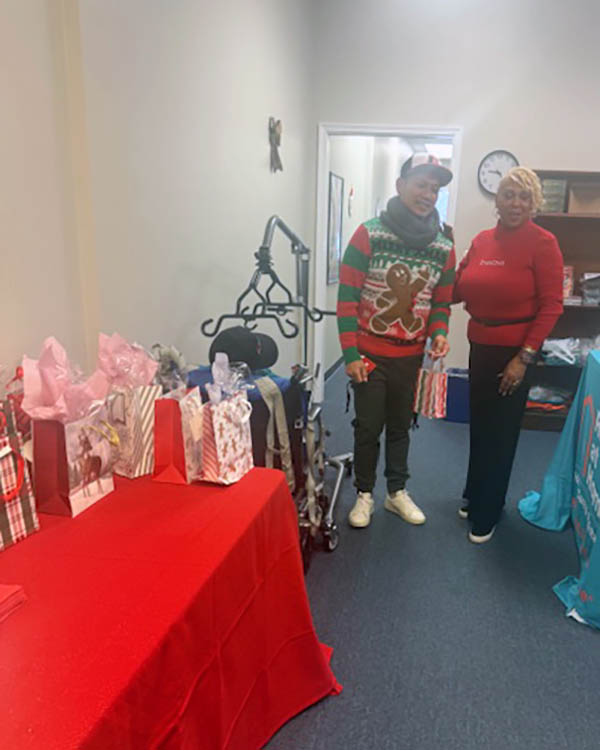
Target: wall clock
{"x": 493, "y": 168}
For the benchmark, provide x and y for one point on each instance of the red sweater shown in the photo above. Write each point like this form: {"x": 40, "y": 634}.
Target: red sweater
{"x": 512, "y": 274}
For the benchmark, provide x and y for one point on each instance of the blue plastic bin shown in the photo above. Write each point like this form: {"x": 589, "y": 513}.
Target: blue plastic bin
{"x": 458, "y": 395}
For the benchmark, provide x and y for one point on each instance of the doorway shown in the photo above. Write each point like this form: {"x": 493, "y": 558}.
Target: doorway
{"x": 357, "y": 168}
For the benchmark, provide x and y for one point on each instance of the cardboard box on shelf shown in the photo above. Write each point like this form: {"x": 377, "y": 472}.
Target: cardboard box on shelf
{"x": 584, "y": 198}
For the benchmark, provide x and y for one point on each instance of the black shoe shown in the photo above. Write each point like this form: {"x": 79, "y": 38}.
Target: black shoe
{"x": 480, "y": 536}
{"x": 463, "y": 511}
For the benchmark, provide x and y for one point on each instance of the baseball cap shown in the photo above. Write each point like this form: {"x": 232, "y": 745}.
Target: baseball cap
{"x": 423, "y": 162}
{"x": 257, "y": 350}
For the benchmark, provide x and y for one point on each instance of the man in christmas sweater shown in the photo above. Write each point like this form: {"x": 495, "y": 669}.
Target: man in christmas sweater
{"x": 395, "y": 290}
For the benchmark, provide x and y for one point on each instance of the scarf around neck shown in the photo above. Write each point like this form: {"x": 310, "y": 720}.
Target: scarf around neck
{"x": 415, "y": 231}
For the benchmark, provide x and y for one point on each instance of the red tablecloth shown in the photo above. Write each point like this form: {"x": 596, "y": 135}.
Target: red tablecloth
{"x": 164, "y": 616}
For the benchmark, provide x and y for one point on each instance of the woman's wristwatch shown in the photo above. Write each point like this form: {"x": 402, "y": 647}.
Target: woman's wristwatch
{"x": 527, "y": 355}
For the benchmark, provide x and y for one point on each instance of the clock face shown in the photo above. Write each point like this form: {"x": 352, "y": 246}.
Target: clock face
{"x": 493, "y": 168}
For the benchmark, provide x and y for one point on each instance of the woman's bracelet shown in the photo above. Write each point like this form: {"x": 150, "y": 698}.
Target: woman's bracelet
{"x": 527, "y": 355}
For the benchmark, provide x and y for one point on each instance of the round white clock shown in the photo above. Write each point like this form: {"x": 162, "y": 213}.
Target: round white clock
{"x": 493, "y": 168}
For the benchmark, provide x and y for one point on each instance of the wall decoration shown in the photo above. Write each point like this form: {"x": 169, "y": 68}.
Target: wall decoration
{"x": 334, "y": 227}
{"x": 275, "y": 130}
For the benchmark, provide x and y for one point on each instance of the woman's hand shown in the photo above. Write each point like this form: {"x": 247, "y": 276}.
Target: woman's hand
{"x": 439, "y": 347}
{"x": 357, "y": 370}
{"x": 513, "y": 374}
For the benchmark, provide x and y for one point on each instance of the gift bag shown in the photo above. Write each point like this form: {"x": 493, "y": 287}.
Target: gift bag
{"x": 178, "y": 437}
{"x": 130, "y": 371}
{"x": 73, "y": 462}
{"x": 74, "y": 446}
{"x": 226, "y": 440}
{"x": 191, "y": 427}
{"x": 131, "y": 413}
{"x": 431, "y": 390}
{"x": 18, "y": 517}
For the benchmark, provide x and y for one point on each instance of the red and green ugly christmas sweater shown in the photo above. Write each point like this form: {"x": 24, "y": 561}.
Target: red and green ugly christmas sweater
{"x": 392, "y": 297}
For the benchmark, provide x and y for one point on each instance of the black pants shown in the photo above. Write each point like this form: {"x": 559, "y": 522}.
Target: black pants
{"x": 494, "y": 433}
{"x": 385, "y": 400}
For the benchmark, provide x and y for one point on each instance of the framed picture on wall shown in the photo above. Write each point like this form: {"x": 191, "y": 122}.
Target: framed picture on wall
{"x": 334, "y": 227}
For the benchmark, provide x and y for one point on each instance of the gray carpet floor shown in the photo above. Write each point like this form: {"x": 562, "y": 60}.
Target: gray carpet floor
{"x": 439, "y": 643}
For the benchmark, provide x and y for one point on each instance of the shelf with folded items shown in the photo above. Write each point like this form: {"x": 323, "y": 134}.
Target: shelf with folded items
{"x": 561, "y": 376}
{"x": 559, "y": 367}
{"x": 539, "y": 420}
{"x": 577, "y": 323}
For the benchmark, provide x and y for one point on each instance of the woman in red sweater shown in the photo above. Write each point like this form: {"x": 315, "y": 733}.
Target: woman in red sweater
{"x": 511, "y": 283}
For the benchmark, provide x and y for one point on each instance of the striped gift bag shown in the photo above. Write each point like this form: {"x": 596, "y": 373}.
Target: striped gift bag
{"x": 131, "y": 413}
{"x": 18, "y": 517}
{"x": 431, "y": 391}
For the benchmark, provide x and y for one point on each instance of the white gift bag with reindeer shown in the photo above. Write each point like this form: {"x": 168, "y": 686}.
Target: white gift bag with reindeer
{"x": 227, "y": 440}
{"x": 73, "y": 462}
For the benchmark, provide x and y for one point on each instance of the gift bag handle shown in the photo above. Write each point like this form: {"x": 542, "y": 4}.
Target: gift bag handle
{"x": 432, "y": 364}
{"x": 16, "y": 491}
{"x": 247, "y": 410}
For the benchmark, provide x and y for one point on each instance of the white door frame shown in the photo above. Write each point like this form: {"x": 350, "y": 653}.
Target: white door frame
{"x": 325, "y": 130}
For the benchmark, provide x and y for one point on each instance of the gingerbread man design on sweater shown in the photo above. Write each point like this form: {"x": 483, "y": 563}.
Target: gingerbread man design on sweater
{"x": 396, "y": 302}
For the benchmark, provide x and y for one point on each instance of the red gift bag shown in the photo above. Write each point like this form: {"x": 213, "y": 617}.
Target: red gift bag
{"x": 50, "y": 475}
{"x": 169, "y": 449}
{"x": 178, "y": 437}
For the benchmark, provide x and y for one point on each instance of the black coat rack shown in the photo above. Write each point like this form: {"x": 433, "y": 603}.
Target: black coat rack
{"x": 276, "y": 302}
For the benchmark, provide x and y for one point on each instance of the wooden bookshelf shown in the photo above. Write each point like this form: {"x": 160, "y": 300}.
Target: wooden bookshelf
{"x": 578, "y": 235}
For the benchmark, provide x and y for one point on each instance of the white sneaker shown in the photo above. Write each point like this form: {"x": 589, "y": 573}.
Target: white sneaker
{"x": 401, "y": 503}
{"x": 360, "y": 515}
{"x": 478, "y": 538}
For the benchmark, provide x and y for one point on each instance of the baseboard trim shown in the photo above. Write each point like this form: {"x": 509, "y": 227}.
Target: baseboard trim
{"x": 334, "y": 368}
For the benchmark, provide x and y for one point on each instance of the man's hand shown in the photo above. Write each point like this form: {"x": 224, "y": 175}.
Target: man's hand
{"x": 439, "y": 347}
{"x": 357, "y": 370}
{"x": 512, "y": 376}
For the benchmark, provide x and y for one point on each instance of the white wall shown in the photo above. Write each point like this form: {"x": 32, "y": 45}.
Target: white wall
{"x": 351, "y": 157}
{"x": 388, "y": 157}
{"x": 522, "y": 76}
{"x": 178, "y": 99}
{"x": 39, "y": 273}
